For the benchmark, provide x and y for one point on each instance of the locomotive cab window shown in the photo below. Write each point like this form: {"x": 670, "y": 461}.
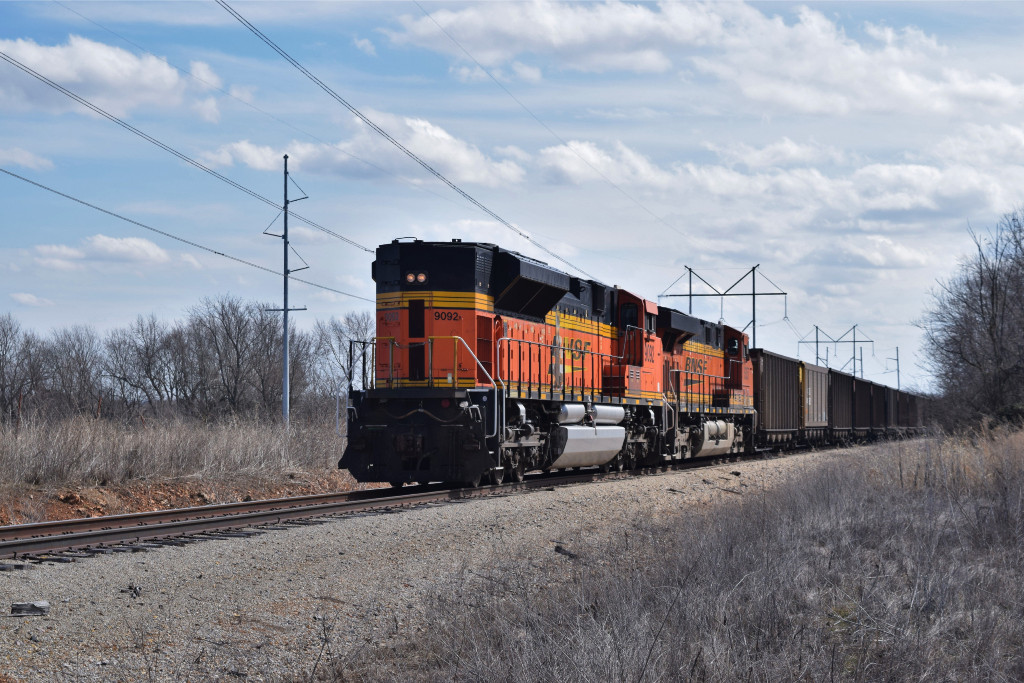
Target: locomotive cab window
{"x": 734, "y": 347}
{"x": 628, "y": 316}
{"x": 650, "y": 322}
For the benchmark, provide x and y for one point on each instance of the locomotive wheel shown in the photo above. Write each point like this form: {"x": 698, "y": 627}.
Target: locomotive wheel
{"x": 471, "y": 483}
{"x": 396, "y": 484}
{"x": 517, "y": 463}
{"x": 496, "y": 476}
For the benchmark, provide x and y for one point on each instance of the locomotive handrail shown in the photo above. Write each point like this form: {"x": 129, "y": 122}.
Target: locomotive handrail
{"x": 702, "y": 375}
{"x": 562, "y": 350}
{"x": 455, "y": 373}
{"x": 362, "y": 358}
{"x": 392, "y": 343}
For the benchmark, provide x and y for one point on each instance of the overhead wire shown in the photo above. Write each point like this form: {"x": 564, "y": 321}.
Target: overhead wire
{"x": 387, "y": 136}
{"x": 177, "y": 238}
{"x": 252, "y": 106}
{"x": 167, "y": 148}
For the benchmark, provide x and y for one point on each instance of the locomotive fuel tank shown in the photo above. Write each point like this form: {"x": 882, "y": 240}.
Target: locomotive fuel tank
{"x": 583, "y": 446}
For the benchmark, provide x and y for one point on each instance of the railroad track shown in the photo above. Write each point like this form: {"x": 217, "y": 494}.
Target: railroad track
{"x": 65, "y": 540}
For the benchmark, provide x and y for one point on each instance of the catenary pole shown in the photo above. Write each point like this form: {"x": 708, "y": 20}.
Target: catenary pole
{"x": 285, "y": 383}
{"x": 284, "y": 345}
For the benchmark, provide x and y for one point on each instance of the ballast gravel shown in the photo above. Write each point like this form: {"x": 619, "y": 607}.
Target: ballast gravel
{"x": 284, "y": 602}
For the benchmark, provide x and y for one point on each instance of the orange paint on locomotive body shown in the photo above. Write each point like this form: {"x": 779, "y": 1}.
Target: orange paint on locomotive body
{"x": 455, "y": 339}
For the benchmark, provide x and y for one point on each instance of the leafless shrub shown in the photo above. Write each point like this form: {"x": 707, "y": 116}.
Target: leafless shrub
{"x": 905, "y": 566}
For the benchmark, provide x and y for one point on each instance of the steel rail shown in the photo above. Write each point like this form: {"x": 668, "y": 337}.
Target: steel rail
{"x": 62, "y": 526}
{"x": 68, "y": 535}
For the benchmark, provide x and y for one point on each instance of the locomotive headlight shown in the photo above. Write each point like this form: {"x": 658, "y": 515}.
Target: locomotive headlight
{"x": 421, "y": 278}
{"x": 410, "y": 278}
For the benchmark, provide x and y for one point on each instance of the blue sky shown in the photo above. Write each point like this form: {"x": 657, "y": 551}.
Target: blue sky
{"x": 844, "y": 147}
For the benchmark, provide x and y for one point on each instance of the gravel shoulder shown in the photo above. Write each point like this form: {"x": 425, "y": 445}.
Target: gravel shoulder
{"x": 281, "y": 603}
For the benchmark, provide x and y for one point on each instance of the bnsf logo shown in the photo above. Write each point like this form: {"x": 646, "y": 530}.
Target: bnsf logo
{"x": 576, "y": 347}
{"x": 696, "y": 365}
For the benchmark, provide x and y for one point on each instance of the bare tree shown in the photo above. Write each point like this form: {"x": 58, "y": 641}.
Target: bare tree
{"x": 225, "y": 358}
{"x": 226, "y": 329}
{"x": 267, "y": 367}
{"x": 139, "y": 364}
{"x": 342, "y": 362}
{"x": 193, "y": 369}
{"x": 17, "y": 378}
{"x": 74, "y": 358}
{"x": 974, "y": 327}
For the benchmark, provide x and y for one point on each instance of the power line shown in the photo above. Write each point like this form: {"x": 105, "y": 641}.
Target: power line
{"x": 167, "y": 148}
{"x": 387, "y": 136}
{"x": 252, "y": 106}
{"x": 548, "y": 128}
{"x": 176, "y": 237}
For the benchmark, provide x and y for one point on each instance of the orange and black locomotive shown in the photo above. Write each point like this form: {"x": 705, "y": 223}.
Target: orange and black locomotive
{"x": 488, "y": 364}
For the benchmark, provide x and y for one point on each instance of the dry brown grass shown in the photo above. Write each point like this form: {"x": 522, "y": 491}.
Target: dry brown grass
{"x": 82, "y": 450}
{"x": 85, "y": 467}
{"x": 904, "y": 565}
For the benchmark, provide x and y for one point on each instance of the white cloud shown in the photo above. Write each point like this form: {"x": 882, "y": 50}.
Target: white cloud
{"x": 807, "y": 64}
{"x": 527, "y": 73}
{"x": 470, "y": 74}
{"x": 513, "y": 152}
{"x": 308, "y": 235}
{"x": 784, "y": 152}
{"x": 135, "y": 249}
{"x": 244, "y": 93}
{"x": 627, "y": 114}
{"x": 111, "y": 78}
{"x": 100, "y": 248}
{"x": 457, "y": 159}
{"x": 580, "y": 161}
{"x": 260, "y": 157}
{"x": 812, "y": 66}
{"x": 59, "y": 256}
{"x": 192, "y": 261}
{"x": 879, "y": 251}
{"x": 168, "y": 15}
{"x": 202, "y": 72}
{"x": 207, "y": 109}
{"x": 26, "y": 299}
{"x": 584, "y": 37}
{"x": 364, "y": 45}
{"x": 983, "y": 145}
{"x": 21, "y": 157}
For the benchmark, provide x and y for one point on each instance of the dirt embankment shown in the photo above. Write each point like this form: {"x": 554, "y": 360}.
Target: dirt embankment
{"x": 21, "y": 505}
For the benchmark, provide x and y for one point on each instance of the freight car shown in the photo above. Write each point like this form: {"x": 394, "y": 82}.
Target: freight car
{"x": 488, "y": 364}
